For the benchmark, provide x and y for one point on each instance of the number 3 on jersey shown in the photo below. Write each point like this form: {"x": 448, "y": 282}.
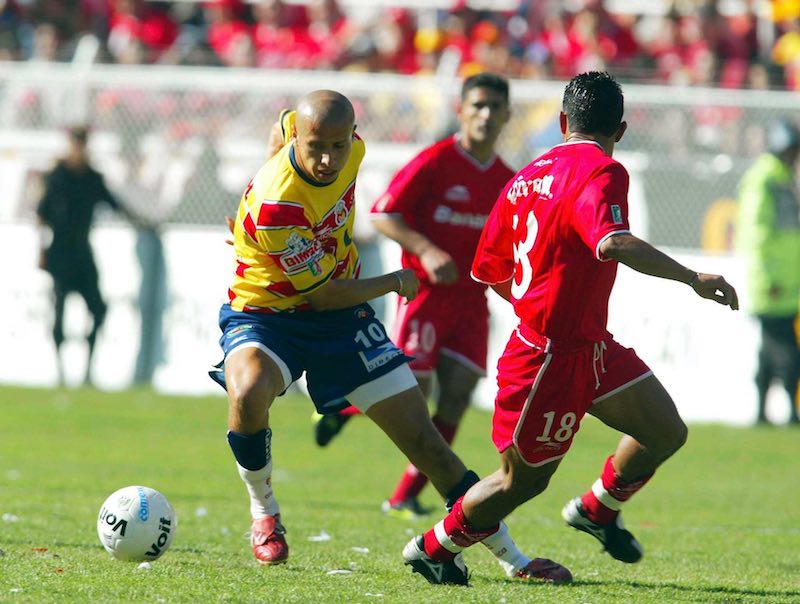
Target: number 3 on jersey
{"x": 521, "y": 255}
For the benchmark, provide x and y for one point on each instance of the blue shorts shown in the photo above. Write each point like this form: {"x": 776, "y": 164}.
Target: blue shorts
{"x": 339, "y": 350}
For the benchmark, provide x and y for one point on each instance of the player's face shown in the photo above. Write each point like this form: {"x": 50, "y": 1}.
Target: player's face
{"x": 323, "y": 149}
{"x": 483, "y": 114}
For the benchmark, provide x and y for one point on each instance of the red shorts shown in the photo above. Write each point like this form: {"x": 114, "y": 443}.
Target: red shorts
{"x": 432, "y": 324}
{"x": 542, "y": 396}
{"x": 620, "y": 368}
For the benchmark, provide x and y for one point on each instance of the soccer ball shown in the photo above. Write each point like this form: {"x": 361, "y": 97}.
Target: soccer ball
{"x": 136, "y": 523}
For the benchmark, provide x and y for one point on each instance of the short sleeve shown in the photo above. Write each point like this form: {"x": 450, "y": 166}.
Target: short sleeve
{"x": 601, "y": 209}
{"x": 408, "y": 186}
{"x": 284, "y": 233}
{"x": 494, "y": 257}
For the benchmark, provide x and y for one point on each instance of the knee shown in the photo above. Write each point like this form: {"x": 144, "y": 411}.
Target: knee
{"x": 518, "y": 490}
{"x": 671, "y": 440}
{"x": 248, "y": 405}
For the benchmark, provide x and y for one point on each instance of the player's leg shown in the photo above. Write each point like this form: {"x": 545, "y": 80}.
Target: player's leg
{"x": 436, "y": 554}
{"x": 254, "y": 378}
{"x": 404, "y": 418}
{"x": 653, "y": 431}
{"x": 541, "y": 400}
{"x": 404, "y": 502}
{"x": 417, "y": 331}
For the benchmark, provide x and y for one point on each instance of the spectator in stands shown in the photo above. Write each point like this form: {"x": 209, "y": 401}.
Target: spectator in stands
{"x": 768, "y": 236}
{"x": 72, "y": 190}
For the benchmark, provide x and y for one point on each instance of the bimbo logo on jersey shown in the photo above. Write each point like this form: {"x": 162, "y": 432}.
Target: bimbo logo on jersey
{"x": 303, "y": 254}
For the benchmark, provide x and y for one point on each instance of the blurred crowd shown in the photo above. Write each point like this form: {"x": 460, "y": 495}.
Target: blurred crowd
{"x": 690, "y": 42}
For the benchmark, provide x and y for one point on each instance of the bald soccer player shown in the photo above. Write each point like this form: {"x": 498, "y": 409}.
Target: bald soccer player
{"x": 297, "y": 305}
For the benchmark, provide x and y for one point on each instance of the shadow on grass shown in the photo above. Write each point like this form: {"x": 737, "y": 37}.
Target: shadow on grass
{"x": 698, "y": 590}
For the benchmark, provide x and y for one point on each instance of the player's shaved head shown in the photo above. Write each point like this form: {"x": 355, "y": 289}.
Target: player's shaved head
{"x": 324, "y": 108}
{"x": 323, "y": 134}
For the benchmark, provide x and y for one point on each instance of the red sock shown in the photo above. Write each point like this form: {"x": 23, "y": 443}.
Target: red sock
{"x": 413, "y": 481}
{"x": 603, "y": 501}
{"x": 349, "y": 411}
{"x": 454, "y": 535}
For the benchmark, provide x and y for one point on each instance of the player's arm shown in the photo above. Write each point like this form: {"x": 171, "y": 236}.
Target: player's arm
{"x": 644, "y": 258}
{"x": 336, "y": 294}
{"x": 276, "y": 139}
{"x": 438, "y": 264}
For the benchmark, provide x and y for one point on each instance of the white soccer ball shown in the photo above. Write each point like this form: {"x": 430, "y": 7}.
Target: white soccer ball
{"x": 136, "y": 523}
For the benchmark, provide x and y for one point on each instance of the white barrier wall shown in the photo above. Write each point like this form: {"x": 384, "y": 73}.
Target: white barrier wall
{"x": 703, "y": 353}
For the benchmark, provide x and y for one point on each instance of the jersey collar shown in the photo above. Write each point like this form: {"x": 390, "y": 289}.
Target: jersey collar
{"x": 303, "y": 175}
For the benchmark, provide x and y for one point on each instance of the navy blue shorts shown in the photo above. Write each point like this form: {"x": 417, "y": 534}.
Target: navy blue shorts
{"x": 339, "y": 350}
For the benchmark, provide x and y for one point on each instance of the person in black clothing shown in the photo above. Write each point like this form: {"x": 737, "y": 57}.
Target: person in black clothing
{"x": 72, "y": 190}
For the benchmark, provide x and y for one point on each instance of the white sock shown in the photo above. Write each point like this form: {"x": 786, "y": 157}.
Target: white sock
{"x": 506, "y": 551}
{"x": 259, "y": 487}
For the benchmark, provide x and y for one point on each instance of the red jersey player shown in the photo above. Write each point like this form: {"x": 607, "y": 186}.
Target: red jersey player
{"x": 551, "y": 247}
{"x": 435, "y": 208}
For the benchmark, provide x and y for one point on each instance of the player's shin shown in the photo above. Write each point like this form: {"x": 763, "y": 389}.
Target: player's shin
{"x": 452, "y": 535}
{"x": 254, "y": 462}
{"x": 499, "y": 543}
{"x": 604, "y": 500}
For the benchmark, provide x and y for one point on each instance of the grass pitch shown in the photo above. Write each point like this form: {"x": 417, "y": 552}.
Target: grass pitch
{"x": 719, "y": 522}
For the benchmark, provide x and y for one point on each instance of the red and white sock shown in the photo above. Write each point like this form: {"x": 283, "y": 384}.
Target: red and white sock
{"x": 451, "y": 536}
{"x": 413, "y": 481}
{"x": 604, "y": 500}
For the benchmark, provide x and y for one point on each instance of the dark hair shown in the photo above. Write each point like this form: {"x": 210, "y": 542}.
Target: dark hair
{"x": 492, "y": 81}
{"x": 79, "y": 134}
{"x": 593, "y": 103}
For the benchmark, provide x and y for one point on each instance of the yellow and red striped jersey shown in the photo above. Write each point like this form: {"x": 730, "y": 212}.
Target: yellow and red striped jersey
{"x": 292, "y": 234}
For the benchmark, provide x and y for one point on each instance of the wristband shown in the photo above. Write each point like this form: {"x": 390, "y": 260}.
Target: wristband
{"x": 399, "y": 281}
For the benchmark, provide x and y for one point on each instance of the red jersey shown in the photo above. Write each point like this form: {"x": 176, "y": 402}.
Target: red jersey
{"x": 545, "y": 231}
{"x": 446, "y": 194}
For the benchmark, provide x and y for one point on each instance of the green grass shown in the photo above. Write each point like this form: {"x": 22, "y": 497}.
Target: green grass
{"x": 720, "y": 522}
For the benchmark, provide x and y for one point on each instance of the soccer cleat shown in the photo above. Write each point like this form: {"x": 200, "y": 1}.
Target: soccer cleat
{"x": 450, "y": 572}
{"x": 328, "y": 426}
{"x": 406, "y": 509}
{"x": 542, "y": 569}
{"x": 269, "y": 543}
{"x": 616, "y": 540}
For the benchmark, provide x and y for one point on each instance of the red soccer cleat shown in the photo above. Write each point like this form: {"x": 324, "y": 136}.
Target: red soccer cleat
{"x": 542, "y": 569}
{"x": 269, "y": 543}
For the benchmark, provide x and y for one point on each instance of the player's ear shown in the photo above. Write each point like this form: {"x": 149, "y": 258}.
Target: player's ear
{"x": 620, "y": 131}
{"x": 354, "y": 127}
{"x": 294, "y": 132}
{"x": 562, "y": 120}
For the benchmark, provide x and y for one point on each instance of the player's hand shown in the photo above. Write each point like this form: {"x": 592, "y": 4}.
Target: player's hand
{"x": 439, "y": 266}
{"x": 714, "y": 287}
{"x": 407, "y": 284}
{"x": 230, "y": 222}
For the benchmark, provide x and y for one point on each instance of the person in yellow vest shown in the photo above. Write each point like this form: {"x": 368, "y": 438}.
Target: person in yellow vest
{"x": 768, "y": 236}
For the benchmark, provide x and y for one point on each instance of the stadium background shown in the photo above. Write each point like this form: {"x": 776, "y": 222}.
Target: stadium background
{"x": 179, "y": 141}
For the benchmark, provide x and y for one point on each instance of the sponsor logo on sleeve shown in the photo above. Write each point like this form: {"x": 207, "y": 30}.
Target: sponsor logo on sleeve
{"x": 302, "y": 255}
{"x": 616, "y": 214}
